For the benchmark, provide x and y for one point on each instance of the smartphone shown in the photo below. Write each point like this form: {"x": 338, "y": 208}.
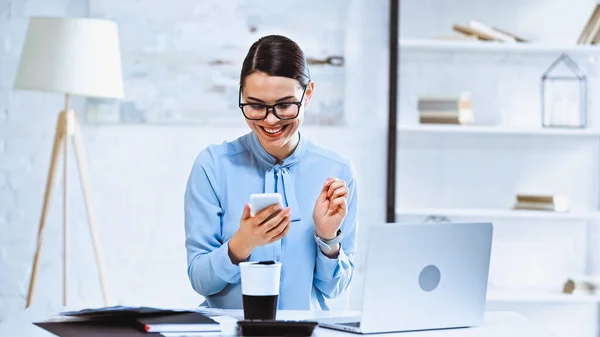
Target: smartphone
{"x": 259, "y": 201}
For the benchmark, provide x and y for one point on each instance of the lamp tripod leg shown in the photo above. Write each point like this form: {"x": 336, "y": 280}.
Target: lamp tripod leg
{"x": 85, "y": 185}
{"x": 65, "y": 230}
{"x": 59, "y": 137}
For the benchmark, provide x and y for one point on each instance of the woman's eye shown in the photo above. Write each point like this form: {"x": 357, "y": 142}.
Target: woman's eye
{"x": 257, "y": 106}
{"x": 285, "y": 106}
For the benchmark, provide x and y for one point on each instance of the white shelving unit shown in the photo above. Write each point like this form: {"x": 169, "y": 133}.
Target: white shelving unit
{"x": 426, "y": 191}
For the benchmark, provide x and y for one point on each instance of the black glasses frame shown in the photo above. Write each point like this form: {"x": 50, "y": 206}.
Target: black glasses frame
{"x": 271, "y": 107}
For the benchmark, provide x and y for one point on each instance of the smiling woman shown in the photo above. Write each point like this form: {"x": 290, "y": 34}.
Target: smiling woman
{"x": 274, "y": 78}
{"x": 313, "y": 235}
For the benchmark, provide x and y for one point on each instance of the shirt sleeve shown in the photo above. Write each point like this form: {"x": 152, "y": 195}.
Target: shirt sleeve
{"x": 209, "y": 266}
{"x": 332, "y": 276}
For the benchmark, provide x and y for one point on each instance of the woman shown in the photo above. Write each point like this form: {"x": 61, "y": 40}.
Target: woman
{"x": 318, "y": 188}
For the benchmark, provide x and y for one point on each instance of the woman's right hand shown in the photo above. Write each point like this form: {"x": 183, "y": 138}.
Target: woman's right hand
{"x": 268, "y": 225}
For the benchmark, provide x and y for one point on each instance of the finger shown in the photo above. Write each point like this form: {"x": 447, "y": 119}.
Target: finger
{"x": 323, "y": 194}
{"x": 282, "y": 234}
{"x": 274, "y": 221}
{"x": 334, "y": 186}
{"x": 265, "y": 213}
{"x": 338, "y": 202}
{"x": 340, "y": 192}
{"x": 328, "y": 181}
{"x": 246, "y": 213}
{"x": 279, "y": 228}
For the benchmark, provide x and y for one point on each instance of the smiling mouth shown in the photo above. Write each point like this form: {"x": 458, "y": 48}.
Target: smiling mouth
{"x": 273, "y": 131}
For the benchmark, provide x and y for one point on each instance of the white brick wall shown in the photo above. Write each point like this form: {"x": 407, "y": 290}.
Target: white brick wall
{"x": 178, "y": 58}
{"x": 138, "y": 172}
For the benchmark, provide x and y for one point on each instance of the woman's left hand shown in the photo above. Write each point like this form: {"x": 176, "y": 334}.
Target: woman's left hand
{"x": 331, "y": 208}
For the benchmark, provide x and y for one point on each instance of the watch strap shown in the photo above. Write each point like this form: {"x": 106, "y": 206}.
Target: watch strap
{"x": 328, "y": 245}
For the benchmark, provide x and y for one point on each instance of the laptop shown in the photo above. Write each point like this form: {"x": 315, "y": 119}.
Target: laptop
{"x": 422, "y": 277}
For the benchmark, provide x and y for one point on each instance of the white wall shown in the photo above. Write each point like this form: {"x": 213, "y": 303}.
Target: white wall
{"x": 138, "y": 173}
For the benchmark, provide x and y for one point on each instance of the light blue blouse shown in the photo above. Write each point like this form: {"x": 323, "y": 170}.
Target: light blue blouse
{"x": 221, "y": 180}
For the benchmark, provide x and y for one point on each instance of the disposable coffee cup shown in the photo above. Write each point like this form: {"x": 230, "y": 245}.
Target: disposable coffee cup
{"x": 260, "y": 289}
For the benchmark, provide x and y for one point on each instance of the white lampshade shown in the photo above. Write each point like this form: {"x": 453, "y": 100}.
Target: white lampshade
{"x": 76, "y": 56}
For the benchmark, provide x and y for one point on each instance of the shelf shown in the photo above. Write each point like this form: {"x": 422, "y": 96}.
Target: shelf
{"x": 435, "y": 45}
{"x": 498, "y": 213}
{"x": 496, "y": 130}
{"x": 532, "y": 297}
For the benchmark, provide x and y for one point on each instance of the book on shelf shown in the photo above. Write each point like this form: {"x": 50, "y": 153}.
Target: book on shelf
{"x": 591, "y": 31}
{"x": 496, "y": 35}
{"x": 466, "y": 30}
{"x": 461, "y": 37}
{"x": 542, "y": 202}
{"x": 516, "y": 37}
{"x": 438, "y": 119}
{"x": 481, "y": 31}
{"x": 445, "y": 110}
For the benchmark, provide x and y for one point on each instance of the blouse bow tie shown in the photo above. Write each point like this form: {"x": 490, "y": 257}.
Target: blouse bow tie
{"x": 278, "y": 178}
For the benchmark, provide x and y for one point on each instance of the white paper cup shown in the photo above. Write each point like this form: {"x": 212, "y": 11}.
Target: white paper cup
{"x": 260, "y": 289}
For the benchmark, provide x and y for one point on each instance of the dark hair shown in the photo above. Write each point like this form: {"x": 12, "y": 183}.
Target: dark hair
{"x": 276, "y": 55}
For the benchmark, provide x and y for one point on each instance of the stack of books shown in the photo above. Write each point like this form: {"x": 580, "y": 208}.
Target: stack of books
{"x": 542, "y": 202}
{"x": 445, "y": 110}
{"x": 480, "y": 31}
{"x": 591, "y": 31}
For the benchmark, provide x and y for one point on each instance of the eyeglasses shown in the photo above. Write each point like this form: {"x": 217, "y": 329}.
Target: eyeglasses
{"x": 260, "y": 111}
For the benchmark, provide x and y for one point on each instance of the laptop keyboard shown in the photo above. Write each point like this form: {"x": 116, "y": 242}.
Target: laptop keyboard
{"x": 352, "y": 324}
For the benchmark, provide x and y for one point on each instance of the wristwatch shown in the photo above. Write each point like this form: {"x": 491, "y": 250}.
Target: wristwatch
{"x": 328, "y": 245}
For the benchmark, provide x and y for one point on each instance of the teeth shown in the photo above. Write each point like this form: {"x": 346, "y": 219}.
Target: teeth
{"x": 268, "y": 130}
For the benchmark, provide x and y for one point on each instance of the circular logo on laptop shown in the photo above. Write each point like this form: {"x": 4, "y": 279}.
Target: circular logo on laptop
{"x": 429, "y": 278}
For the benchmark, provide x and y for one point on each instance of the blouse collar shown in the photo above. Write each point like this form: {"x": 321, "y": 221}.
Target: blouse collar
{"x": 268, "y": 160}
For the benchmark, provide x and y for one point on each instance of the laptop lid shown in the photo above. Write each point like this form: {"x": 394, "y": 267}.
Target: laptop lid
{"x": 425, "y": 276}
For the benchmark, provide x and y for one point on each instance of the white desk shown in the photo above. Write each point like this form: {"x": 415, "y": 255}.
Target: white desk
{"x": 497, "y": 324}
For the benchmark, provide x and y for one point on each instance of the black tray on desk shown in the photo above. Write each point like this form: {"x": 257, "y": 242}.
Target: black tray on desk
{"x": 275, "y": 328}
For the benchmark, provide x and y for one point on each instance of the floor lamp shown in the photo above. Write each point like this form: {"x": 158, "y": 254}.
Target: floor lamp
{"x": 71, "y": 56}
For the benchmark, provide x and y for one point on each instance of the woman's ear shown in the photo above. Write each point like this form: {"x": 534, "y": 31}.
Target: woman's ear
{"x": 310, "y": 88}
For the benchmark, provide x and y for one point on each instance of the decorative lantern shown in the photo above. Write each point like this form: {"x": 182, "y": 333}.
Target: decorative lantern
{"x": 564, "y": 95}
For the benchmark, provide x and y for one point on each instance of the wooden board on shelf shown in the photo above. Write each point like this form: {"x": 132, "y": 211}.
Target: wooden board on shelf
{"x": 497, "y": 213}
{"x": 499, "y": 130}
{"x": 447, "y": 45}
{"x": 540, "y": 297}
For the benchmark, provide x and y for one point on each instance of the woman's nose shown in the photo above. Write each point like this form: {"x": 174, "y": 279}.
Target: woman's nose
{"x": 271, "y": 119}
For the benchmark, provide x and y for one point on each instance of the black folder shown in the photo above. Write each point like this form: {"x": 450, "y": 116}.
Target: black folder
{"x": 122, "y": 321}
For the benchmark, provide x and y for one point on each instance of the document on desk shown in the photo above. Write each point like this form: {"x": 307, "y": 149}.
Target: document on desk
{"x": 119, "y": 310}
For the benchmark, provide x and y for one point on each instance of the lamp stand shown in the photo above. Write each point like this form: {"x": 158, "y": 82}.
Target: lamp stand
{"x": 67, "y": 128}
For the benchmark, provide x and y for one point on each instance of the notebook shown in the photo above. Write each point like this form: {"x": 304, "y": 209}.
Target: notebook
{"x": 179, "y": 322}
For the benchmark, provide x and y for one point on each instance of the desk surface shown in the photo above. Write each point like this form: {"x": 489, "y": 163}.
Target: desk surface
{"x": 497, "y": 324}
